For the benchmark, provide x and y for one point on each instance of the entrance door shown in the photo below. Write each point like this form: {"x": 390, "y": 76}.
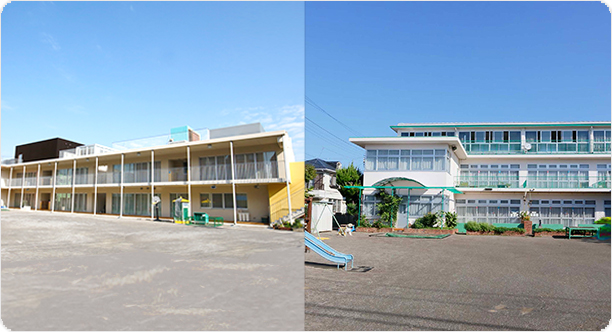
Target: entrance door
{"x": 402, "y": 213}
{"x": 45, "y": 201}
{"x": 101, "y": 203}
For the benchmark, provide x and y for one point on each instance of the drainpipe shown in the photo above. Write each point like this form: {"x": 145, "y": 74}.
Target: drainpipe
{"x": 359, "y": 216}
{"x": 233, "y": 181}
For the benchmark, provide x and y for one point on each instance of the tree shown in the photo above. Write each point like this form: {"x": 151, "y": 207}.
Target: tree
{"x": 309, "y": 173}
{"x": 350, "y": 176}
{"x": 387, "y": 208}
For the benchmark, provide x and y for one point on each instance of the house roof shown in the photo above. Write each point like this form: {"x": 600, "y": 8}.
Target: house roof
{"x": 322, "y": 164}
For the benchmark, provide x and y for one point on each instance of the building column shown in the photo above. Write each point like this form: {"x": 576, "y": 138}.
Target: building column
{"x": 591, "y": 140}
{"x": 442, "y": 224}
{"x": 22, "y": 185}
{"x": 10, "y": 184}
{"x": 73, "y": 182}
{"x": 95, "y": 202}
{"x": 287, "y": 179}
{"x": 523, "y": 140}
{"x": 121, "y": 190}
{"x": 36, "y": 195}
{"x": 359, "y": 202}
{"x": 233, "y": 181}
{"x": 152, "y": 181}
{"x": 189, "y": 180}
{"x": 53, "y": 194}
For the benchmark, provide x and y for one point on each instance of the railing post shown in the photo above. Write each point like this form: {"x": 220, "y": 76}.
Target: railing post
{"x": 36, "y": 195}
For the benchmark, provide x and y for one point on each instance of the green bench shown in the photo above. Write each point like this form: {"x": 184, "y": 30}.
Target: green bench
{"x": 202, "y": 219}
{"x": 588, "y": 230}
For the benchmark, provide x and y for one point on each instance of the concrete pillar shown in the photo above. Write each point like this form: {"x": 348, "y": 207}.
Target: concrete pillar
{"x": 73, "y": 182}
{"x": 53, "y": 194}
{"x": 22, "y": 185}
{"x": 37, "y": 183}
{"x": 233, "y": 181}
{"x": 152, "y": 181}
{"x": 95, "y": 202}
{"x": 189, "y": 180}
{"x": 121, "y": 190}
{"x": 10, "y": 184}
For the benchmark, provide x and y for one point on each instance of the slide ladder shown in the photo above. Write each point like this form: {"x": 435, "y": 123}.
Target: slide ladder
{"x": 326, "y": 251}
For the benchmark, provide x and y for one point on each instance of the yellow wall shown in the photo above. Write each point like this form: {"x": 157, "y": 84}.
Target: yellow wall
{"x": 277, "y": 193}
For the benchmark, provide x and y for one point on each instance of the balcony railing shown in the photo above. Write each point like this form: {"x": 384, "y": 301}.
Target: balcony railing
{"x": 30, "y": 182}
{"x": 84, "y": 179}
{"x": 46, "y": 180}
{"x": 539, "y": 182}
{"x": 173, "y": 174}
{"x": 514, "y": 147}
{"x": 16, "y": 182}
{"x": 140, "y": 176}
{"x": 246, "y": 171}
{"x": 109, "y": 178}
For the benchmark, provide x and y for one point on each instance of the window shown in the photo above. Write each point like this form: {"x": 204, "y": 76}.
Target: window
{"x": 515, "y": 136}
{"x": 229, "y": 201}
{"x": 241, "y": 201}
{"x": 205, "y": 201}
{"x": 531, "y": 136}
{"x": 416, "y": 160}
{"x": 217, "y": 201}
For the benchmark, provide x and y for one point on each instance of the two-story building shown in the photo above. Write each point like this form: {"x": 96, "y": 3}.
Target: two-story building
{"x": 488, "y": 172}
{"x": 240, "y": 173}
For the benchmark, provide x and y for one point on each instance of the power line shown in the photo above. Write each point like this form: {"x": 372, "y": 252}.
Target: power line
{"x": 327, "y": 131}
{"x": 311, "y": 130}
{"x": 311, "y": 102}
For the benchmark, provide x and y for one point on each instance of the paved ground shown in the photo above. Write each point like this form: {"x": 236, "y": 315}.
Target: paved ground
{"x": 75, "y": 272}
{"x": 461, "y": 283}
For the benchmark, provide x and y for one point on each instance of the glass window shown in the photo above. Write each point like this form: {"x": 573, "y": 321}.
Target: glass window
{"x": 480, "y": 136}
{"x": 582, "y": 136}
{"x": 217, "y": 201}
{"x": 515, "y": 136}
{"x": 205, "y": 201}
{"x": 531, "y": 136}
{"x": 545, "y": 136}
{"x": 464, "y": 136}
{"x": 229, "y": 201}
{"x": 566, "y": 136}
{"x": 241, "y": 201}
{"x": 599, "y": 136}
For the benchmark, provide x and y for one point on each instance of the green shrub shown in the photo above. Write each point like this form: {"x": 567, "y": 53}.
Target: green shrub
{"x": 426, "y": 221}
{"x": 539, "y": 230}
{"x": 604, "y": 220}
{"x": 499, "y": 230}
{"x": 472, "y": 226}
{"x": 450, "y": 219}
{"x": 364, "y": 222}
{"x": 380, "y": 224}
{"x": 298, "y": 224}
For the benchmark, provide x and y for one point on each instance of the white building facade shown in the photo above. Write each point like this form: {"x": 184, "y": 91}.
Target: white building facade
{"x": 488, "y": 172}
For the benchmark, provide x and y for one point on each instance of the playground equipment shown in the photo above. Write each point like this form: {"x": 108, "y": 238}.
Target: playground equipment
{"x": 326, "y": 251}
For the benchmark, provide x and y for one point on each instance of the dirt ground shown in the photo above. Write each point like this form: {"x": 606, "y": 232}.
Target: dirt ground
{"x": 461, "y": 283}
{"x": 65, "y": 271}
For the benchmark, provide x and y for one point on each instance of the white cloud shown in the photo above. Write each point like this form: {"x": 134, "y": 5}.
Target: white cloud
{"x": 4, "y": 106}
{"x": 48, "y": 39}
{"x": 289, "y": 118}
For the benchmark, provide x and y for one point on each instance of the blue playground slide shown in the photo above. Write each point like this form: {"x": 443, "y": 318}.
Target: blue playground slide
{"x": 326, "y": 251}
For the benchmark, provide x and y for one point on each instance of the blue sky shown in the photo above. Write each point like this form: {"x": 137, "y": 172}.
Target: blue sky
{"x": 100, "y": 72}
{"x": 372, "y": 65}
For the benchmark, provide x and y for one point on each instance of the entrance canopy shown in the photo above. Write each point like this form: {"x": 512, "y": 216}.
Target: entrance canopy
{"x": 451, "y": 189}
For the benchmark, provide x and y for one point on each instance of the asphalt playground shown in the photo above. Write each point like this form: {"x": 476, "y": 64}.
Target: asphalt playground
{"x": 64, "y": 271}
{"x": 460, "y": 283}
